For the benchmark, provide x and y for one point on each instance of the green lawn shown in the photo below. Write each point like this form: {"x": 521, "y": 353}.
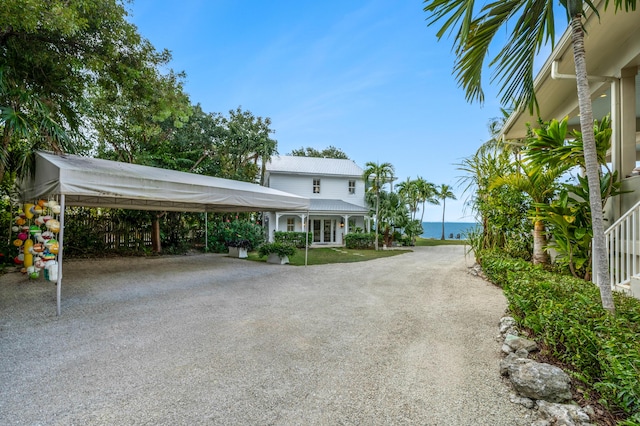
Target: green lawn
{"x": 432, "y": 242}
{"x": 325, "y": 255}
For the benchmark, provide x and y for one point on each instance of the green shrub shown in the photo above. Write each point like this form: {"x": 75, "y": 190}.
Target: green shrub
{"x": 295, "y": 239}
{"x": 281, "y": 249}
{"x": 567, "y": 315}
{"x": 222, "y": 234}
{"x": 360, "y": 241}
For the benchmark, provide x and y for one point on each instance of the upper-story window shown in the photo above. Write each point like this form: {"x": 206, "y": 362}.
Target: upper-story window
{"x": 316, "y": 186}
{"x": 352, "y": 187}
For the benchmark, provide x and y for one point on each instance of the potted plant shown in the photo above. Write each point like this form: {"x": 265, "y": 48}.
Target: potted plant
{"x": 277, "y": 252}
{"x": 238, "y": 247}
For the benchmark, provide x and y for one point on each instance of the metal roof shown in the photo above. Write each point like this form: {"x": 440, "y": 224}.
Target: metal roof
{"x": 336, "y": 206}
{"x": 313, "y": 165}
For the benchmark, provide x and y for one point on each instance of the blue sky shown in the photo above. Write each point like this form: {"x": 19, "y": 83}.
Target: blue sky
{"x": 368, "y": 77}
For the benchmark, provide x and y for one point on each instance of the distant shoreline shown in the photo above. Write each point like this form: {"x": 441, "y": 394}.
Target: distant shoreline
{"x": 452, "y": 230}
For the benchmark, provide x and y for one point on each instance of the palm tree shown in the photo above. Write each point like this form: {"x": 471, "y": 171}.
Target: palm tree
{"x": 393, "y": 214}
{"x": 540, "y": 184}
{"x": 408, "y": 190}
{"x": 443, "y": 192}
{"x": 426, "y": 194}
{"x": 532, "y": 25}
{"x": 378, "y": 174}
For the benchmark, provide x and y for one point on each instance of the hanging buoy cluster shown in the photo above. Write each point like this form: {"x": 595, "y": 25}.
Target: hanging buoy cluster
{"x": 37, "y": 228}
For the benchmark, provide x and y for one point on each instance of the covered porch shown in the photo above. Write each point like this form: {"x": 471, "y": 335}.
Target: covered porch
{"x": 328, "y": 220}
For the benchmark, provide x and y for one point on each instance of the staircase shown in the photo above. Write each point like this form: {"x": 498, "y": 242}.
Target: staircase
{"x": 623, "y": 247}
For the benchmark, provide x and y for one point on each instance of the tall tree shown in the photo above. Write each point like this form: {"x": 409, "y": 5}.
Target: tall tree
{"x": 53, "y": 57}
{"x": 426, "y": 194}
{"x": 329, "y": 152}
{"x": 444, "y": 192}
{"x": 408, "y": 191}
{"x": 531, "y": 24}
{"x": 376, "y": 175}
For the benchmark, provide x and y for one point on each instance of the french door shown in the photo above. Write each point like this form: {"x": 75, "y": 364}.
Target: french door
{"x": 324, "y": 230}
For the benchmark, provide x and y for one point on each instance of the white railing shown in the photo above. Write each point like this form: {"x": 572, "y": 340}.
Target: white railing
{"x": 623, "y": 247}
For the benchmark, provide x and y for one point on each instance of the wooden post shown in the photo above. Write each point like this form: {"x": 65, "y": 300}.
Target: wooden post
{"x": 156, "y": 245}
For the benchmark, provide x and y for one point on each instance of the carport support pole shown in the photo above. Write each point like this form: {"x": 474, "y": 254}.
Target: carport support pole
{"x": 60, "y": 249}
{"x": 306, "y": 241}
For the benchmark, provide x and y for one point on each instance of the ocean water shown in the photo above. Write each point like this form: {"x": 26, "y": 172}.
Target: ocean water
{"x": 452, "y": 230}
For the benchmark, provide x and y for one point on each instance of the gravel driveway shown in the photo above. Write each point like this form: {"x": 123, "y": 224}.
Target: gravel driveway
{"x": 206, "y": 339}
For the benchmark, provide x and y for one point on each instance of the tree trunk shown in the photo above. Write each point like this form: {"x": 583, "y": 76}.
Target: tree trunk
{"x": 156, "y": 245}
{"x": 443, "y": 204}
{"x": 540, "y": 256}
{"x": 591, "y": 164}
{"x": 6, "y": 140}
{"x": 377, "y": 219}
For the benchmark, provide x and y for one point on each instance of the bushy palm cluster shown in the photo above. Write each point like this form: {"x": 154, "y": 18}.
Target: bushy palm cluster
{"x": 535, "y": 198}
{"x": 395, "y": 212}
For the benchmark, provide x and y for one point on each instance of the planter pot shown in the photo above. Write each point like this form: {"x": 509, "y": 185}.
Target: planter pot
{"x": 238, "y": 252}
{"x": 278, "y": 260}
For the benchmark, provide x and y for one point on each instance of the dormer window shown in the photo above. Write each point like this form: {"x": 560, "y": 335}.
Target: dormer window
{"x": 352, "y": 187}
{"x": 316, "y": 186}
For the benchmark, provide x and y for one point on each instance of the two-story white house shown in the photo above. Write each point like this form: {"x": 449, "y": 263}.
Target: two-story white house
{"x": 336, "y": 190}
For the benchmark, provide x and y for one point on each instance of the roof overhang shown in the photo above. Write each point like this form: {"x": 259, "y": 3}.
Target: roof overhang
{"x": 612, "y": 43}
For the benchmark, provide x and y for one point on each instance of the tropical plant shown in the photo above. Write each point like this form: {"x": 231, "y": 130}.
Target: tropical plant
{"x": 408, "y": 191}
{"x": 376, "y": 175}
{"x": 532, "y": 25}
{"x": 540, "y": 183}
{"x": 569, "y": 214}
{"x": 413, "y": 229}
{"x": 393, "y": 215}
{"x": 426, "y": 194}
{"x": 501, "y": 211}
{"x": 444, "y": 192}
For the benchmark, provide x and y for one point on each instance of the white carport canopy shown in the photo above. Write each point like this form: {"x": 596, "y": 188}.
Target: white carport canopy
{"x": 91, "y": 182}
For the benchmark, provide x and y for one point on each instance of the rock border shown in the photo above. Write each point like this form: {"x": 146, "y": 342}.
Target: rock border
{"x": 541, "y": 387}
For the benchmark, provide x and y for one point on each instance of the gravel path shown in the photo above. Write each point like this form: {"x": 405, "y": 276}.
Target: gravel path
{"x": 206, "y": 339}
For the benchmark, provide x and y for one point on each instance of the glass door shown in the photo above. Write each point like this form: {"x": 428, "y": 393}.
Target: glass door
{"x": 327, "y": 231}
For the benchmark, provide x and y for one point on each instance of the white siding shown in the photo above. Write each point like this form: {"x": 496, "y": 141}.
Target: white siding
{"x": 331, "y": 188}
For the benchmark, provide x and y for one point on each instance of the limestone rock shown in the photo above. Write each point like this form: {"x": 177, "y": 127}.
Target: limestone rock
{"x": 506, "y": 349}
{"x": 507, "y": 363}
{"x": 507, "y": 323}
{"x": 516, "y": 343}
{"x": 538, "y": 380}
{"x": 526, "y": 402}
{"x": 562, "y": 414}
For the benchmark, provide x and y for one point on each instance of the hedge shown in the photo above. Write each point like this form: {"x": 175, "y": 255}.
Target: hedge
{"x": 360, "y": 241}
{"x": 567, "y": 315}
{"x": 292, "y": 238}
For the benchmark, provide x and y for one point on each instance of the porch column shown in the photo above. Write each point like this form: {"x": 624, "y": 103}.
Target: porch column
{"x": 303, "y": 218}
{"x": 277, "y": 226}
{"x": 628, "y": 120}
{"x": 346, "y": 223}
